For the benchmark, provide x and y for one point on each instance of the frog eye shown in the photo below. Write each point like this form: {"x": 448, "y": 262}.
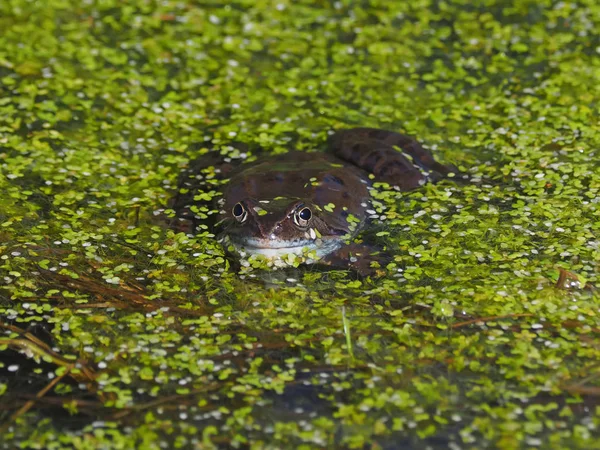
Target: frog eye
{"x": 302, "y": 217}
{"x": 239, "y": 212}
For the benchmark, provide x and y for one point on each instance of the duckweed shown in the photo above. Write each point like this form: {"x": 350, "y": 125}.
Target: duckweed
{"x": 119, "y": 331}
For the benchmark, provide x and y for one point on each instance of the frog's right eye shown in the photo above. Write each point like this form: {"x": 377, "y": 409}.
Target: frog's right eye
{"x": 239, "y": 212}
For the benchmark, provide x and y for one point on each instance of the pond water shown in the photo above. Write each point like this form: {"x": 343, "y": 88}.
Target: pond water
{"x": 118, "y": 332}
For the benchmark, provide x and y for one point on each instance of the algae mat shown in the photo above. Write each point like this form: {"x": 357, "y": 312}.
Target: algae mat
{"x": 120, "y": 333}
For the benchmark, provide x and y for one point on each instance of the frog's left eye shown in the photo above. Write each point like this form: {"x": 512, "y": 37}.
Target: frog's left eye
{"x": 302, "y": 216}
{"x": 239, "y": 212}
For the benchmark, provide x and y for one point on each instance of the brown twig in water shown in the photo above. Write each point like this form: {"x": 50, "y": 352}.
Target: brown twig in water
{"x": 563, "y": 276}
{"x": 26, "y": 335}
{"x": 30, "y": 403}
{"x": 579, "y": 388}
{"x": 87, "y": 375}
{"x": 82, "y": 405}
{"x": 29, "y": 343}
{"x": 123, "y": 297}
{"x": 582, "y": 390}
{"x": 162, "y": 401}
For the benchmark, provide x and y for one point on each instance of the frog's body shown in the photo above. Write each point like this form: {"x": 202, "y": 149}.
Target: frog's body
{"x": 310, "y": 204}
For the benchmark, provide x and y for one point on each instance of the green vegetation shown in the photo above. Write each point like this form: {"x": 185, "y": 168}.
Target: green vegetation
{"x": 484, "y": 330}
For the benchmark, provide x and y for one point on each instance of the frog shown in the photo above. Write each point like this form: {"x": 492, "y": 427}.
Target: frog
{"x": 306, "y": 207}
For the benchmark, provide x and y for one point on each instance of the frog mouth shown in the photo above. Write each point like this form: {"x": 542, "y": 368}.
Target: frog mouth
{"x": 277, "y": 249}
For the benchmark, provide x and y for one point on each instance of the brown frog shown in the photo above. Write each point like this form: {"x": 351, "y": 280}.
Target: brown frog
{"x": 302, "y": 207}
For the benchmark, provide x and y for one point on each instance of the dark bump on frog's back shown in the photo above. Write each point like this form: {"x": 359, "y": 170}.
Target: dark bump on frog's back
{"x": 297, "y": 201}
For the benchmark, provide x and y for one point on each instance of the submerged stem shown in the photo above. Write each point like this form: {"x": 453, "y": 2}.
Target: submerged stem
{"x": 346, "y": 324}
